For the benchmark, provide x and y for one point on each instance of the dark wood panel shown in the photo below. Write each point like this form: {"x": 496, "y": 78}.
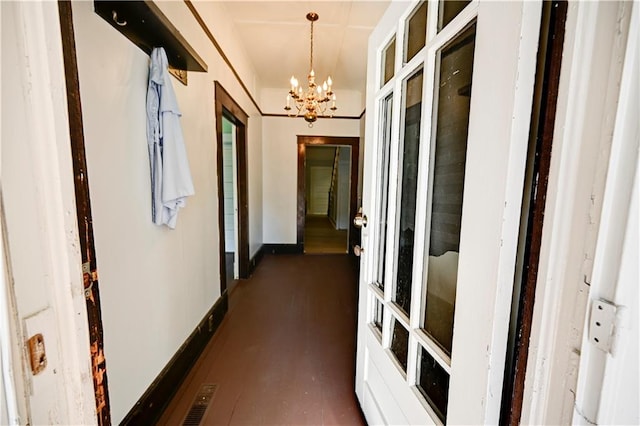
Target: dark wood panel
{"x": 147, "y": 27}
{"x": 283, "y": 248}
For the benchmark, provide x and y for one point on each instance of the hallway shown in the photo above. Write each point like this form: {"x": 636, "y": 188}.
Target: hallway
{"x": 321, "y": 237}
{"x": 285, "y": 352}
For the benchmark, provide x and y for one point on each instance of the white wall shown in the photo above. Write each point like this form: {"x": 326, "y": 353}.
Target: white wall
{"x": 156, "y": 284}
{"x": 279, "y": 167}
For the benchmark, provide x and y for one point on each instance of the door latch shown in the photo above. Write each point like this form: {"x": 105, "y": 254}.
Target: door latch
{"x": 37, "y": 353}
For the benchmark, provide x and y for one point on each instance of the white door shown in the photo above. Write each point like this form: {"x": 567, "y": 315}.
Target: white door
{"x": 42, "y": 290}
{"x": 449, "y": 95}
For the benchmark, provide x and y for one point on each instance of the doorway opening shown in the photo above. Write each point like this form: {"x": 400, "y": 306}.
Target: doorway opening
{"x": 230, "y": 199}
{"x": 327, "y": 180}
{"x": 233, "y": 205}
{"x": 327, "y": 194}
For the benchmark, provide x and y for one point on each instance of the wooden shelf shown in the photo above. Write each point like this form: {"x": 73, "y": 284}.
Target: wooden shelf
{"x": 147, "y": 27}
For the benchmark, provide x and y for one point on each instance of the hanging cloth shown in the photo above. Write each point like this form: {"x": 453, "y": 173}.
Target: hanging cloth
{"x": 170, "y": 176}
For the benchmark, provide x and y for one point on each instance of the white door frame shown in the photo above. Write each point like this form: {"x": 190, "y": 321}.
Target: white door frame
{"x": 615, "y": 270}
{"x": 594, "y": 49}
{"x": 607, "y": 389}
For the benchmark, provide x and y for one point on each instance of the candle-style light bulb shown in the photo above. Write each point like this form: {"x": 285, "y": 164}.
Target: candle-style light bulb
{"x": 324, "y": 86}
{"x": 288, "y": 100}
{"x": 293, "y": 82}
{"x": 329, "y": 82}
{"x": 312, "y": 74}
{"x": 319, "y": 90}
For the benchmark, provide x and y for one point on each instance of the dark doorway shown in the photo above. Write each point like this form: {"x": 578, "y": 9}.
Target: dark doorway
{"x": 233, "y": 205}
{"x": 327, "y": 194}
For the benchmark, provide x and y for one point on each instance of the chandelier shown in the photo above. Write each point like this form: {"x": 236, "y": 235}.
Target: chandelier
{"x": 314, "y": 101}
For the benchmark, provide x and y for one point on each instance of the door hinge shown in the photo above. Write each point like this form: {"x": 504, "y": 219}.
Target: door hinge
{"x": 602, "y": 323}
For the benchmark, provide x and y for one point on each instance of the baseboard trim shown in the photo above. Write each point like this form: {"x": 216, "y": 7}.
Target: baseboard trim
{"x": 283, "y": 248}
{"x": 158, "y": 395}
{"x": 255, "y": 260}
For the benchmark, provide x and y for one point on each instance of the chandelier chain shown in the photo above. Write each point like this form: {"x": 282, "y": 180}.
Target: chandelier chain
{"x": 311, "y": 59}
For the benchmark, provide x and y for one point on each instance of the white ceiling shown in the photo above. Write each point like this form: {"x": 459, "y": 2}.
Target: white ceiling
{"x": 275, "y": 35}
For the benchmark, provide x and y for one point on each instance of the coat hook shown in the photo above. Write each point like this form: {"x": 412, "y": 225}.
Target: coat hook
{"x": 115, "y": 19}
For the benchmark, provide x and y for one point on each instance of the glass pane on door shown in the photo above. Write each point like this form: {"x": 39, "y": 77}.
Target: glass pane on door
{"x": 448, "y": 10}
{"x": 378, "y": 314}
{"x": 409, "y": 184}
{"x": 451, "y": 112}
{"x": 433, "y": 383}
{"x": 400, "y": 343}
{"x": 416, "y": 31}
{"x": 383, "y": 189}
{"x": 388, "y": 61}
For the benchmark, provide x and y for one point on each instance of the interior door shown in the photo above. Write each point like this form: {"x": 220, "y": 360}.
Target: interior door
{"x": 449, "y": 95}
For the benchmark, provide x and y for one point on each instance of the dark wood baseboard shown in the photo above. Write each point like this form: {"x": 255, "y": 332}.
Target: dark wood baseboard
{"x": 283, "y": 248}
{"x": 255, "y": 260}
{"x": 155, "y": 400}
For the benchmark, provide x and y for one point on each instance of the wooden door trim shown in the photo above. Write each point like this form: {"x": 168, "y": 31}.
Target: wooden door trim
{"x": 226, "y": 106}
{"x": 83, "y": 212}
{"x": 354, "y": 143}
{"x": 547, "y": 82}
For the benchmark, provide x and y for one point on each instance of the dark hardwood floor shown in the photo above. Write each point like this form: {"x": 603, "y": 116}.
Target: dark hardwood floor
{"x": 285, "y": 352}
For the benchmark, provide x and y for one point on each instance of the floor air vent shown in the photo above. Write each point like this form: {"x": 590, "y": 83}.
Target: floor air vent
{"x": 200, "y": 405}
